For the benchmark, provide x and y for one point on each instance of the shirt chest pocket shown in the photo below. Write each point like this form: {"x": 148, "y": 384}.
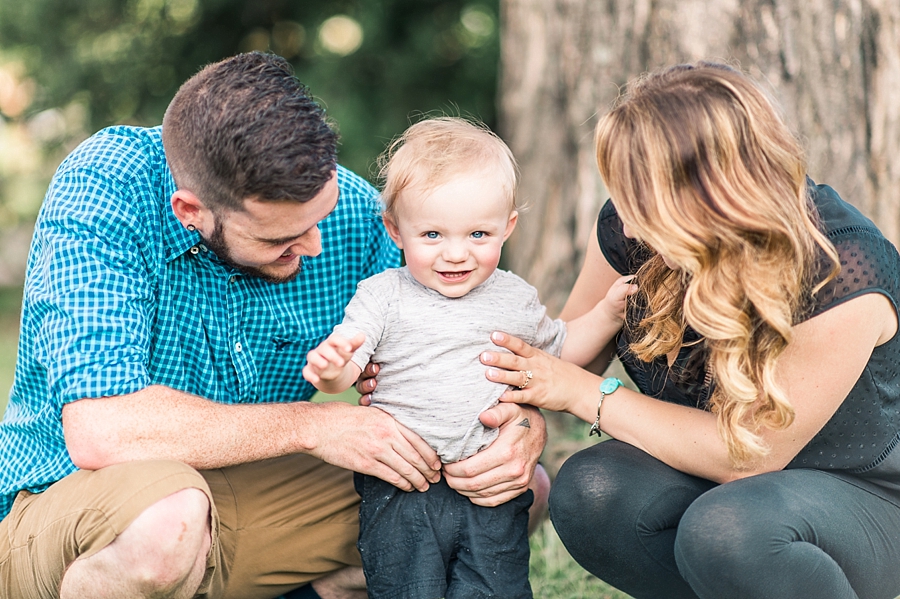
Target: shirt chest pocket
{"x": 279, "y": 368}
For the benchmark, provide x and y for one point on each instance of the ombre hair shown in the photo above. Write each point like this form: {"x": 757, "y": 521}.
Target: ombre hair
{"x": 703, "y": 170}
{"x": 433, "y": 151}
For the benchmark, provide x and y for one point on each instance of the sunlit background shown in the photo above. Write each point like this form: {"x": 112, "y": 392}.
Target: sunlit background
{"x": 68, "y": 69}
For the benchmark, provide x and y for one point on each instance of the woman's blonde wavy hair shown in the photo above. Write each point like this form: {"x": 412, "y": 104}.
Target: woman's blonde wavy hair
{"x": 704, "y": 171}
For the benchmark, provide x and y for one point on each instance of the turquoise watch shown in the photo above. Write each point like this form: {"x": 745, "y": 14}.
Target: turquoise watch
{"x": 607, "y": 387}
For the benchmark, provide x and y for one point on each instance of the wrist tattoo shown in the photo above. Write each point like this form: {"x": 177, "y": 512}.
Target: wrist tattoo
{"x": 525, "y": 423}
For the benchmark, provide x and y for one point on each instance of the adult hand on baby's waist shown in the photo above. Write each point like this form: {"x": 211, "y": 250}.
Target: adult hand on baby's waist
{"x": 369, "y": 441}
{"x": 503, "y": 470}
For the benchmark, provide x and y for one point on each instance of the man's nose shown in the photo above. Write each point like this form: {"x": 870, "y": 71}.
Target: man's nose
{"x": 310, "y": 244}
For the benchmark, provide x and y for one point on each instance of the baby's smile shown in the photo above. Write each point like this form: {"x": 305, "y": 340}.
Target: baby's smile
{"x": 455, "y": 276}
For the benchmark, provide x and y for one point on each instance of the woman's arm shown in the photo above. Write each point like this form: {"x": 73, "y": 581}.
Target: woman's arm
{"x": 817, "y": 371}
{"x": 591, "y": 286}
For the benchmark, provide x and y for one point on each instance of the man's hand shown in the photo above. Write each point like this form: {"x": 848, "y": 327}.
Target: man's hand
{"x": 503, "y": 470}
{"x": 366, "y": 383}
{"x": 327, "y": 362}
{"x": 369, "y": 441}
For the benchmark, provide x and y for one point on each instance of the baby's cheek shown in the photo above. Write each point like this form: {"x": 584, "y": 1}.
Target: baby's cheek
{"x": 491, "y": 256}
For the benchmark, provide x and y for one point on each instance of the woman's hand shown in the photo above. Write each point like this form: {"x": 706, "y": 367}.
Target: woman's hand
{"x": 554, "y": 384}
{"x": 504, "y": 470}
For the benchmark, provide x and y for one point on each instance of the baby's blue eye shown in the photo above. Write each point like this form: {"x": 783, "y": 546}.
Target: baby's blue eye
{"x": 431, "y": 235}
{"x": 478, "y": 234}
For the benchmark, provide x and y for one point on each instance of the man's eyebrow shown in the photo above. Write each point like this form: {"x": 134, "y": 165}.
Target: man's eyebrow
{"x": 280, "y": 240}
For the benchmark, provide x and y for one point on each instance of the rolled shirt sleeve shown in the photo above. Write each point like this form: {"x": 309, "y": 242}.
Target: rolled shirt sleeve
{"x": 91, "y": 292}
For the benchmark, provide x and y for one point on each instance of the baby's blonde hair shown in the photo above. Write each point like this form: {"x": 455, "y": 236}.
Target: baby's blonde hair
{"x": 434, "y": 150}
{"x": 702, "y": 168}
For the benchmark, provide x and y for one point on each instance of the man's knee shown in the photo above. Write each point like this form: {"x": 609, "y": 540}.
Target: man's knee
{"x": 168, "y": 538}
{"x": 162, "y": 551}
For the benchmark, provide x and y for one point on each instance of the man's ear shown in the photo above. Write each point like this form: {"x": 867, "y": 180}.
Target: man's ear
{"x": 392, "y": 230}
{"x": 511, "y": 224}
{"x": 190, "y": 210}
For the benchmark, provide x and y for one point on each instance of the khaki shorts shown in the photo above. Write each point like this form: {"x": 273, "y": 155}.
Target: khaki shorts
{"x": 277, "y": 524}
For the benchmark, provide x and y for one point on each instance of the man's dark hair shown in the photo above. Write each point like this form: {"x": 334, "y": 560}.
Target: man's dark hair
{"x": 245, "y": 128}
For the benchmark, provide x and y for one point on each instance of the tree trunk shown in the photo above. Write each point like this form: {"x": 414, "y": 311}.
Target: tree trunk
{"x": 833, "y": 65}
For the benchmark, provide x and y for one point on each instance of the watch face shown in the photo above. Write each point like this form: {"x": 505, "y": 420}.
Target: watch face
{"x": 609, "y": 385}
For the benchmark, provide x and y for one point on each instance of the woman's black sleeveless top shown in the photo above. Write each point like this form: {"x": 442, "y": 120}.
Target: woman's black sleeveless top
{"x": 861, "y": 436}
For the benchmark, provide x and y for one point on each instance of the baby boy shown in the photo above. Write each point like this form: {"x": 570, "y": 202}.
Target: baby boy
{"x": 449, "y": 200}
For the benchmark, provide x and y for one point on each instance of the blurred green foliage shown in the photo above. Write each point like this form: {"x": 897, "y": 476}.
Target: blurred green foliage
{"x": 69, "y": 68}
{"x": 10, "y": 306}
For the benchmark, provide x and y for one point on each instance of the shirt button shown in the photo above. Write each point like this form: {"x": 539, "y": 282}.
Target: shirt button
{"x": 232, "y": 278}
{"x": 195, "y": 250}
{"x": 238, "y": 347}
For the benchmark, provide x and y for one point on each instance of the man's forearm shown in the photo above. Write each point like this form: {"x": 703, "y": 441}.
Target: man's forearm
{"x": 162, "y": 423}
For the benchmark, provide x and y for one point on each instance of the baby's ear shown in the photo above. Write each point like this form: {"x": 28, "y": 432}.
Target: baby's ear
{"x": 511, "y": 224}
{"x": 392, "y": 230}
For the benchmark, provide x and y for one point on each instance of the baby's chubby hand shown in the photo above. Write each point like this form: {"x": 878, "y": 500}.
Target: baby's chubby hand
{"x": 616, "y": 297}
{"x": 327, "y": 361}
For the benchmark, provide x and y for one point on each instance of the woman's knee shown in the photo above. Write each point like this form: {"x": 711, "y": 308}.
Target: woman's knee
{"x": 584, "y": 485}
{"x": 605, "y": 491}
{"x": 613, "y": 478}
{"x": 583, "y": 506}
{"x": 729, "y": 529}
{"x": 616, "y": 508}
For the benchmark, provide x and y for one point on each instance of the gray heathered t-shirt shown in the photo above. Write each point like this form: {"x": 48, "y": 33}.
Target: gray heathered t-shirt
{"x": 428, "y": 345}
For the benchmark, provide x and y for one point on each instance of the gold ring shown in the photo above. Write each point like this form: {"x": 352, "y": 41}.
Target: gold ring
{"x": 528, "y": 377}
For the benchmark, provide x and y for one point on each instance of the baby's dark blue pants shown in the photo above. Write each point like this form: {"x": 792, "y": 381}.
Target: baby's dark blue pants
{"x": 439, "y": 544}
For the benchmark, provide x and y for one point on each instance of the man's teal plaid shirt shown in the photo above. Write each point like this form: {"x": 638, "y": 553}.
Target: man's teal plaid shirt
{"x": 119, "y": 296}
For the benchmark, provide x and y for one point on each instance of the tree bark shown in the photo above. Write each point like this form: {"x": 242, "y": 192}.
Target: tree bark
{"x": 832, "y": 65}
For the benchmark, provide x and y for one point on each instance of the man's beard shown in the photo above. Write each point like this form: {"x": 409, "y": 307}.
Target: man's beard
{"x": 217, "y": 244}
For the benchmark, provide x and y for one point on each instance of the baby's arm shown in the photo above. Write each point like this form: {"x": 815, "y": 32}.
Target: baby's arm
{"x": 587, "y": 335}
{"x": 329, "y": 367}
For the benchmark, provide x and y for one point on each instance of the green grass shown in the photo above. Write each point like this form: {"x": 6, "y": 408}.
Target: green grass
{"x": 555, "y": 575}
{"x": 349, "y": 396}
